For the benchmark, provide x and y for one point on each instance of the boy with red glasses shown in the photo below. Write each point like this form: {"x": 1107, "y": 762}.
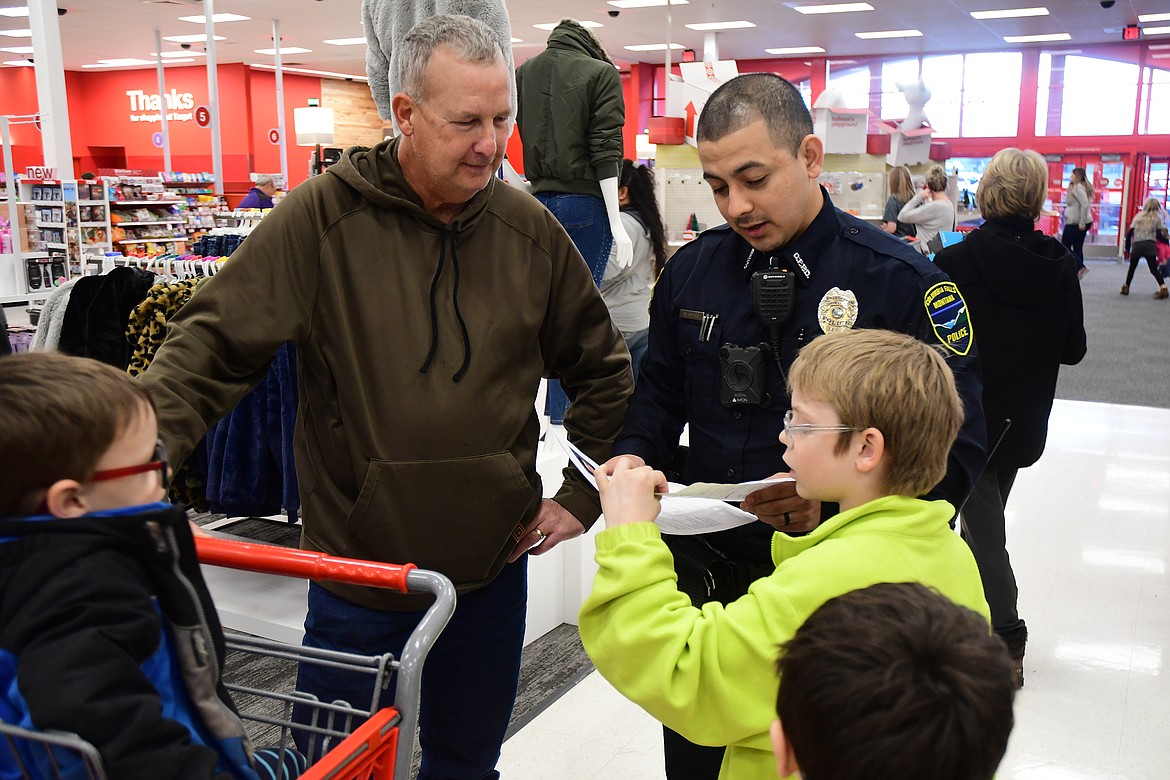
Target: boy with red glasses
{"x": 107, "y": 629}
{"x": 874, "y": 414}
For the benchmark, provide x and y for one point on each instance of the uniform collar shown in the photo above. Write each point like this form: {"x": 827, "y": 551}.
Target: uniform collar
{"x": 800, "y": 255}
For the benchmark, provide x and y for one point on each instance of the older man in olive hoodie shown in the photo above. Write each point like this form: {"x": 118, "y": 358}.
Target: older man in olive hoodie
{"x": 426, "y": 299}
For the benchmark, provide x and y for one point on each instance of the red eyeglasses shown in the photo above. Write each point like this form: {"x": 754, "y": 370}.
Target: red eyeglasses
{"x": 159, "y": 464}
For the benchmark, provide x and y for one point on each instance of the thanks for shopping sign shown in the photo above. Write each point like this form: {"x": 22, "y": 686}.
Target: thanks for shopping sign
{"x": 179, "y": 106}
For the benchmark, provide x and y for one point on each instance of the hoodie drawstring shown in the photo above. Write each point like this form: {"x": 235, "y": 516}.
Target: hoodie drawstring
{"x": 455, "y": 301}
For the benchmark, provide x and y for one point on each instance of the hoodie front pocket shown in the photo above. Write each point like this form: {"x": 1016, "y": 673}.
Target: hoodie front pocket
{"x": 456, "y": 515}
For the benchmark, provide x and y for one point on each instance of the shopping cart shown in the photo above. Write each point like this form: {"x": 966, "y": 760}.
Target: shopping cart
{"x": 346, "y": 741}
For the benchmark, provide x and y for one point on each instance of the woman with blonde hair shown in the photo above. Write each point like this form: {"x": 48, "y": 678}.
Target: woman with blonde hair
{"x": 930, "y": 211}
{"x": 901, "y": 191}
{"x": 1147, "y": 229}
{"x": 1021, "y": 287}
{"x": 1078, "y": 217}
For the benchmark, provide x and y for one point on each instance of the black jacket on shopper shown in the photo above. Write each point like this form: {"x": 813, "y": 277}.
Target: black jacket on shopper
{"x": 1024, "y": 301}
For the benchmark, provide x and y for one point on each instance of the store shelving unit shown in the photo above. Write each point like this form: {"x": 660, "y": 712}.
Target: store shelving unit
{"x": 51, "y": 236}
{"x": 143, "y": 212}
{"x": 198, "y": 190}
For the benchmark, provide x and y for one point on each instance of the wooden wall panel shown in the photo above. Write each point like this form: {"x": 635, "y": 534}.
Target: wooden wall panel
{"x": 355, "y": 117}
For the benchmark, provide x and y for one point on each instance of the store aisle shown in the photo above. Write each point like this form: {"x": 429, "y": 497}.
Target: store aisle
{"x": 1089, "y": 533}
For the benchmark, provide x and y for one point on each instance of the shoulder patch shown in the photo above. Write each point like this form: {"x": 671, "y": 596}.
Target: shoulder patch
{"x": 949, "y": 318}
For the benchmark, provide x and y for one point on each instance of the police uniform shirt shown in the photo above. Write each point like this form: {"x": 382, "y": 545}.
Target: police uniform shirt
{"x": 849, "y": 274}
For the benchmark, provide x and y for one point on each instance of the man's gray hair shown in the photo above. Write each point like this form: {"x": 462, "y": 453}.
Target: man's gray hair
{"x": 754, "y": 96}
{"x": 263, "y": 180}
{"x": 468, "y": 39}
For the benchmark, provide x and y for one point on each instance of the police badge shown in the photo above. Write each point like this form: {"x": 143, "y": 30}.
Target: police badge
{"x": 837, "y": 311}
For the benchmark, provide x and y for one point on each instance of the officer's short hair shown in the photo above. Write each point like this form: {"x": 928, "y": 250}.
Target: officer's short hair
{"x": 468, "y": 39}
{"x": 753, "y": 96}
{"x": 896, "y": 681}
{"x": 892, "y": 382}
{"x": 1015, "y": 184}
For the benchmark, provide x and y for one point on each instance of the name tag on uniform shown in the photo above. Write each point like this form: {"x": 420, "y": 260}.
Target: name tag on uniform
{"x": 706, "y": 321}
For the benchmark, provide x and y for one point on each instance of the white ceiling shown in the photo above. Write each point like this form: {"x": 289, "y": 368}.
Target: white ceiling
{"x": 102, "y": 29}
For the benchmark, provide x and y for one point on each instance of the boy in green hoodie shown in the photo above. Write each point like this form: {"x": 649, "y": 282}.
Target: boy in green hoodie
{"x": 874, "y": 414}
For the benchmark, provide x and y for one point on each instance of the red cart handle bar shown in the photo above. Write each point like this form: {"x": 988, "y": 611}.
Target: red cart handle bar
{"x": 267, "y": 559}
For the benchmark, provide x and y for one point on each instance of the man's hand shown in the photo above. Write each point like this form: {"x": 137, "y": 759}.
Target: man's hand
{"x": 780, "y": 507}
{"x": 552, "y": 525}
{"x": 628, "y": 491}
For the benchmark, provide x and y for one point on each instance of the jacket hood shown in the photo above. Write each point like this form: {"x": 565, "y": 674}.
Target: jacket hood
{"x": 1020, "y": 265}
{"x": 374, "y": 172}
{"x": 569, "y": 34}
{"x": 118, "y": 524}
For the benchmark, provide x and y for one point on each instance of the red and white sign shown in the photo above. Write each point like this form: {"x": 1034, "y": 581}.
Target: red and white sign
{"x": 40, "y": 173}
{"x": 274, "y": 136}
{"x": 202, "y": 116}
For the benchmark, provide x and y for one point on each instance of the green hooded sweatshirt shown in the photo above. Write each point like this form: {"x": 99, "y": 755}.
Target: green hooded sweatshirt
{"x": 420, "y": 350}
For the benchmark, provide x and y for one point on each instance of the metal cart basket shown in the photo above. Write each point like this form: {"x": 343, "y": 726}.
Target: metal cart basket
{"x": 346, "y": 740}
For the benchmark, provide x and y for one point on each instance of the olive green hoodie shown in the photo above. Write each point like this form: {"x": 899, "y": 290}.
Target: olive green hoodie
{"x": 571, "y": 114}
{"x": 420, "y": 349}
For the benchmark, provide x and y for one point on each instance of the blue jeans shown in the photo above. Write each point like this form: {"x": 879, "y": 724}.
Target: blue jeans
{"x": 637, "y": 344}
{"x": 583, "y": 217}
{"x": 1073, "y": 239}
{"x": 469, "y": 679}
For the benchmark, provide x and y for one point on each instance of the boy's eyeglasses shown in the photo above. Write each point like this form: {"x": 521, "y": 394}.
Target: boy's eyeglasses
{"x": 159, "y": 464}
{"x": 792, "y": 428}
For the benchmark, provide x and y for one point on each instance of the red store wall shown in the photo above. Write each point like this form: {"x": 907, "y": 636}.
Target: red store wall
{"x": 110, "y": 124}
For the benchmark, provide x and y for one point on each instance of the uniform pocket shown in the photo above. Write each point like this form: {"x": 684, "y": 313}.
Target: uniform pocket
{"x": 456, "y": 516}
{"x": 701, "y": 361}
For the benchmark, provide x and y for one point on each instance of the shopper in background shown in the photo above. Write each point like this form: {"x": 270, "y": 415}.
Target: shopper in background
{"x": 761, "y": 159}
{"x": 260, "y": 196}
{"x": 874, "y": 414}
{"x": 1022, "y": 289}
{"x": 570, "y": 119}
{"x": 107, "y": 629}
{"x": 626, "y": 290}
{"x": 1078, "y": 217}
{"x": 426, "y": 299}
{"x": 901, "y": 192}
{"x": 1141, "y": 241}
{"x": 892, "y": 682}
{"x": 930, "y": 211}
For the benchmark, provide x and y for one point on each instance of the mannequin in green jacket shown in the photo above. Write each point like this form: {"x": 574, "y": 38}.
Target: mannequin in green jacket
{"x": 874, "y": 415}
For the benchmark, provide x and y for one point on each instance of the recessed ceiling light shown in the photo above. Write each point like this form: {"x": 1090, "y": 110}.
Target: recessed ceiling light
{"x": 654, "y": 47}
{"x": 644, "y": 3}
{"x": 345, "y": 41}
{"x": 201, "y": 19}
{"x": 517, "y": 40}
{"x": 19, "y": 63}
{"x": 796, "y": 50}
{"x": 554, "y": 25}
{"x": 837, "y": 8}
{"x": 286, "y": 69}
{"x": 201, "y": 38}
{"x": 1143, "y": 18}
{"x": 171, "y": 55}
{"x": 18, "y": 49}
{"x": 1037, "y": 38}
{"x": 1009, "y": 13}
{"x": 1155, "y": 30}
{"x": 708, "y": 26}
{"x": 889, "y": 34}
{"x": 284, "y": 50}
{"x": 14, "y": 12}
{"x": 17, "y": 33}
{"x": 119, "y": 62}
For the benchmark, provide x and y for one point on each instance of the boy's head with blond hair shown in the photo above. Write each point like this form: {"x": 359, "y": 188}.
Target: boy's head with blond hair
{"x": 893, "y": 397}
{"x": 76, "y": 436}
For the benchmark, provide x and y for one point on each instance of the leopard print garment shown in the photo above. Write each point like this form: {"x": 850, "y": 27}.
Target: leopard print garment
{"x": 145, "y": 331}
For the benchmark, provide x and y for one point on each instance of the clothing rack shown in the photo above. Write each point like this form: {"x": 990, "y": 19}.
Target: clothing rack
{"x": 169, "y": 267}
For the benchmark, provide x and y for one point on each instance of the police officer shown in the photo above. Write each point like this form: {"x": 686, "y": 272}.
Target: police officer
{"x": 732, "y": 309}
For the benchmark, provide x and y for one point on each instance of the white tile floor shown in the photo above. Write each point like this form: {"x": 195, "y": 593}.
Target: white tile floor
{"x": 1089, "y": 534}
